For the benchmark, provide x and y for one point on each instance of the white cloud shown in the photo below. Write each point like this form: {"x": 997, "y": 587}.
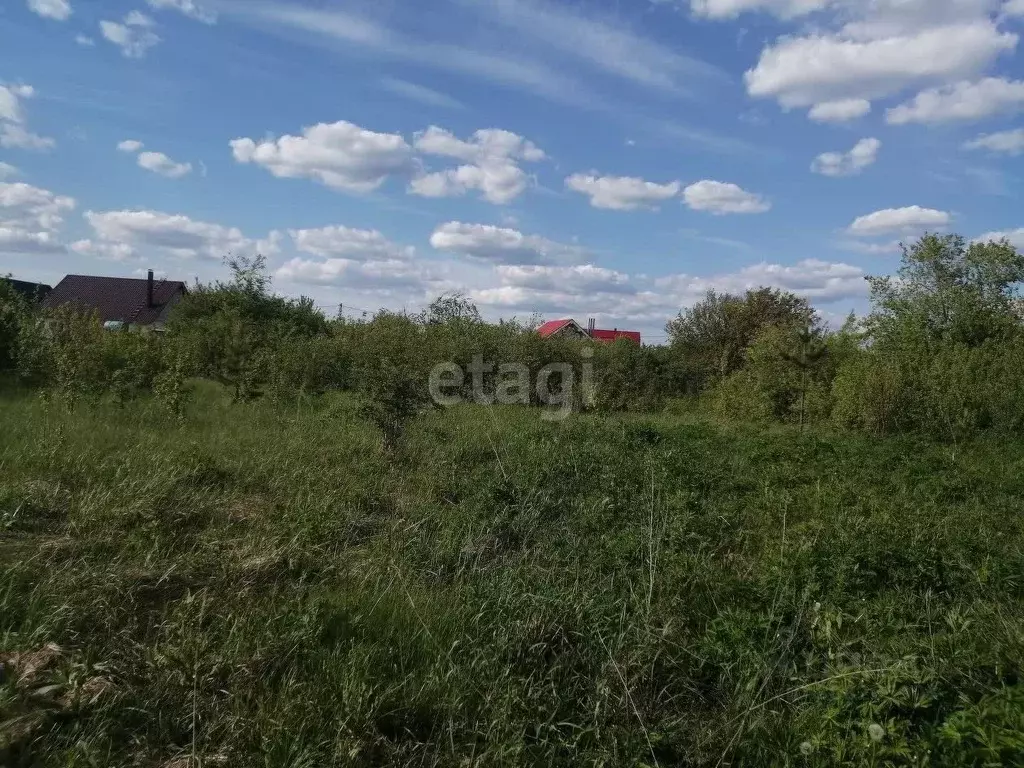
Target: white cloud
{"x": 913, "y": 218}
{"x": 839, "y": 111}
{"x": 581, "y": 278}
{"x": 102, "y": 250}
{"x": 13, "y": 132}
{"x": 813, "y": 278}
{"x": 730, "y": 9}
{"x": 1015, "y": 236}
{"x": 1014, "y": 8}
{"x": 960, "y": 101}
{"x": 420, "y": 93}
{"x": 491, "y": 156}
{"x": 85, "y": 40}
{"x": 621, "y": 193}
{"x": 803, "y": 71}
{"x": 488, "y": 145}
{"x": 130, "y": 145}
{"x": 348, "y": 243}
{"x": 719, "y": 198}
{"x": 863, "y": 154}
{"x": 6, "y": 170}
{"x": 188, "y": 7}
{"x": 30, "y": 218}
{"x": 501, "y": 245}
{"x": 173, "y": 235}
{"x": 1006, "y": 142}
{"x": 134, "y": 35}
{"x": 500, "y": 183}
{"x": 161, "y": 164}
{"x": 340, "y": 155}
{"x": 370, "y": 276}
{"x": 59, "y": 10}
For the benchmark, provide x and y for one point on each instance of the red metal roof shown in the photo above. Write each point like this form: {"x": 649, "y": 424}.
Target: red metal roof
{"x": 615, "y": 335}
{"x": 552, "y": 326}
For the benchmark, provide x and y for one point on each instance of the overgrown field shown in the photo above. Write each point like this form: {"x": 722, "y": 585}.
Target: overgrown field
{"x": 259, "y": 585}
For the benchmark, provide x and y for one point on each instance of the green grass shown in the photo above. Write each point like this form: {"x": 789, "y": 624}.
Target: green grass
{"x": 261, "y": 586}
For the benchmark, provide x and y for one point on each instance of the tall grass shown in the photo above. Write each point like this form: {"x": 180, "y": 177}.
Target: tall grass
{"x": 256, "y": 584}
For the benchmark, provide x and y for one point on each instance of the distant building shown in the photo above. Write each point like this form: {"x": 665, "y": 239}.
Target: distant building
{"x": 571, "y": 329}
{"x": 120, "y": 302}
{"x": 34, "y": 292}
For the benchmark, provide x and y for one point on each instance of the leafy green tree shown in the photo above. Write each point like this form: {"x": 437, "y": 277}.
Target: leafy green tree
{"x": 712, "y": 336}
{"x": 949, "y": 291}
{"x": 14, "y": 313}
{"x": 451, "y": 307}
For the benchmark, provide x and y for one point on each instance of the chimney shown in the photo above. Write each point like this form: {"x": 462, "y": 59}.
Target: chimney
{"x": 149, "y": 289}
{"x": 590, "y": 326}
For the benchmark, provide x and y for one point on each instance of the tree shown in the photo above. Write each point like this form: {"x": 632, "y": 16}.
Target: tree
{"x": 948, "y": 291}
{"x": 451, "y": 307}
{"x": 713, "y": 335}
{"x": 14, "y": 312}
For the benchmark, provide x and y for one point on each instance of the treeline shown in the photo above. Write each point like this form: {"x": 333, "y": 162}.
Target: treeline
{"x": 942, "y": 351}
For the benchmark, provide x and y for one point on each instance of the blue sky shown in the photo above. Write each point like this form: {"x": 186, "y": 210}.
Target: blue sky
{"x": 605, "y": 158}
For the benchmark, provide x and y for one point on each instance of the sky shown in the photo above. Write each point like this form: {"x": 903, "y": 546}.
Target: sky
{"x": 613, "y": 159}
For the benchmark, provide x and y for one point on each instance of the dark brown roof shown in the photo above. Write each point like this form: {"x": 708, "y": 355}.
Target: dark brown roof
{"x": 115, "y": 298}
{"x": 31, "y": 291}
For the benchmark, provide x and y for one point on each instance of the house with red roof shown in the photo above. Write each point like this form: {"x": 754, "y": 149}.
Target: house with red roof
{"x": 569, "y": 328}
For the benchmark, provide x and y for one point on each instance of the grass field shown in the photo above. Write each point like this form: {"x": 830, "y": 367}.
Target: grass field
{"x": 263, "y": 586}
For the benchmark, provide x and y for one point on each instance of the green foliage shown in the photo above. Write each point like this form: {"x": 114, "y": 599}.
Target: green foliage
{"x": 14, "y": 313}
{"x": 266, "y": 586}
{"x": 712, "y": 337}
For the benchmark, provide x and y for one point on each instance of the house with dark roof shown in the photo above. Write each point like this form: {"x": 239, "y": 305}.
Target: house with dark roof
{"x": 120, "y": 302}
{"x": 34, "y": 292}
{"x": 569, "y": 328}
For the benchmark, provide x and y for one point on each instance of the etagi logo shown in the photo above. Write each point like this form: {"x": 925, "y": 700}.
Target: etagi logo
{"x": 555, "y": 385}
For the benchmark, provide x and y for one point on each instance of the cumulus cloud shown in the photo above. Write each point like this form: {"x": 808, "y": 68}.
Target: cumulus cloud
{"x": 161, "y": 164}
{"x": 1004, "y": 142}
{"x": 58, "y": 10}
{"x": 14, "y": 133}
{"x": 840, "y": 111}
{"x": 863, "y": 154}
{"x": 960, "y": 101}
{"x": 156, "y": 162}
{"x": 491, "y": 164}
{"x": 85, "y": 41}
{"x": 188, "y": 7}
{"x": 501, "y": 245}
{"x": 144, "y": 231}
{"x": 720, "y": 198}
{"x": 349, "y": 243}
{"x": 134, "y": 34}
{"x": 1015, "y": 236}
{"x": 339, "y": 155}
{"x": 913, "y": 218}
{"x": 859, "y": 50}
{"x": 30, "y": 218}
{"x": 803, "y": 71}
{"x": 7, "y": 170}
{"x": 621, "y": 193}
